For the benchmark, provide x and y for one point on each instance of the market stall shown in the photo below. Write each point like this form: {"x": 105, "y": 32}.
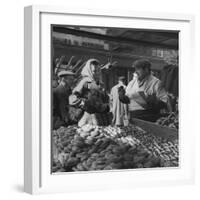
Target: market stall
{"x": 111, "y": 148}
{"x": 141, "y": 144}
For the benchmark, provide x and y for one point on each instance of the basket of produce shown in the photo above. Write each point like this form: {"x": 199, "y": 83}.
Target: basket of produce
{"x": 170, "y": 121}
{"x": 92, "y": 148}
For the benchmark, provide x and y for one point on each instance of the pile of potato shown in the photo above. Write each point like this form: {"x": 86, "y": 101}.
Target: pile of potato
{"x": 106, "y": 148}
{"x": 170, "y": 121}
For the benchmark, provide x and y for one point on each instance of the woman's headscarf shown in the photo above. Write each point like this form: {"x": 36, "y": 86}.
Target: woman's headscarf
{"x": 87, "y": 69}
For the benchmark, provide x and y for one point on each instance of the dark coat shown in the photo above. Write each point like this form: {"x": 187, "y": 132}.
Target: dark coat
{"x": 169, "y": 78}
{"x": 61, "y": 102}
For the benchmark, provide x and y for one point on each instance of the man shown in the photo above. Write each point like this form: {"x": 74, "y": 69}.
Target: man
{"x": 61, "y": 99}
{"x": 118, "y": 109}
{"x": 144, "y": 94}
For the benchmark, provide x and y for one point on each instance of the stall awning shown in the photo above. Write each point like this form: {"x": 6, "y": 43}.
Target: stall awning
{"x": 153, "y": 38}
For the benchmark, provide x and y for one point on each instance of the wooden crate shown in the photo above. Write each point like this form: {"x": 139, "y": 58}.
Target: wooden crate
{"x": 157, "y": 130}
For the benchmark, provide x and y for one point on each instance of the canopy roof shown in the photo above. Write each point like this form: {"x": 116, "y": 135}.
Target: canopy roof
{"x": 122, "y": 36}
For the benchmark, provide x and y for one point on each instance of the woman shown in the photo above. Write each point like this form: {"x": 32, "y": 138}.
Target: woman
{"x": 87, "y": 94}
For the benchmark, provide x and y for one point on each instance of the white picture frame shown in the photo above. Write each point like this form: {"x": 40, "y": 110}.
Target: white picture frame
{"x": 37, "y": 176}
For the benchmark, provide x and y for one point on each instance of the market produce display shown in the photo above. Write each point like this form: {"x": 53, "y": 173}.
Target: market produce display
{"x": 106, "y": 148}
{"x": 170, "y": 121}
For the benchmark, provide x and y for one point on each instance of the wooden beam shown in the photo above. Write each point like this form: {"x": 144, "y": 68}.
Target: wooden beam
{"x": 105, "y": 52}
{"x": 61, "y": 29}
{"x": 167, "y": 35}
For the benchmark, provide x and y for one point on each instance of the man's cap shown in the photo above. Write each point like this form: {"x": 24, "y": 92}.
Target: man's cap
{"x": 65, "y": 73}
{"x": 142, "y": 63}
{"x": 121, "y": 78}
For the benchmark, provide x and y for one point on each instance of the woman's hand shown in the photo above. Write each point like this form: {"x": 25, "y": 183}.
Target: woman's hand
{"x": 122, "y": 97}
{"x": 121, "y": 91}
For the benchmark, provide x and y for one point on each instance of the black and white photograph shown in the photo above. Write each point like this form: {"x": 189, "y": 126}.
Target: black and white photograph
{"x": 114, "y": 98}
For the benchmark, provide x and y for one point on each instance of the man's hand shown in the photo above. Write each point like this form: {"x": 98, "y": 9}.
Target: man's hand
{"x": 151, "y": 99}
{"x": 154, "y": 103}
